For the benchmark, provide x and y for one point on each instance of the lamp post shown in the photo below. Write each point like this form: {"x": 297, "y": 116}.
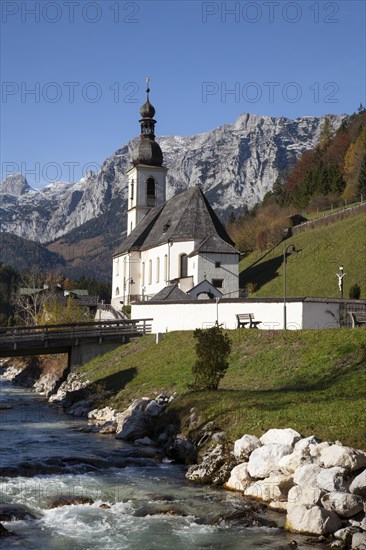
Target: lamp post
{"x": 289, "y": 249}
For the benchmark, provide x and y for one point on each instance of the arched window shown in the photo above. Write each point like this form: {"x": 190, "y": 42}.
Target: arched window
{"x": 150, "y": 192}
{"x": 117, "y": 267}
{"x": 124, "y": 270}
{"x": 117, "y": 291}
{"x": 132, "y": 190}
{"x": 150, "y": 272}
{"x": 157, "y": 269}
{"x": 166, "y": 267}
{"x": 183, "y": 265}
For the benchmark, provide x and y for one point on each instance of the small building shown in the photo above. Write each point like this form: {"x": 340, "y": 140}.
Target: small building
{"x": 178, "y": 242}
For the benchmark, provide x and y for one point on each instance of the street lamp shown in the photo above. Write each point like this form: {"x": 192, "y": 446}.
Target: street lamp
{"x": 289, "y": 249}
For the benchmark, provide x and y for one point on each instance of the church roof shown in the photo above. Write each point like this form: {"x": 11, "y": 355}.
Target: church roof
{"x": 185, "y": 217}
{"x": 212, "y": 244}
{"x": 171, "y": 293}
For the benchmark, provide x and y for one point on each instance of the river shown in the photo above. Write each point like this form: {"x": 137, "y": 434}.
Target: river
{"x": 150, "y": 504}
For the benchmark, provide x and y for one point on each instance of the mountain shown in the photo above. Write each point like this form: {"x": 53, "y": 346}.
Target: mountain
{"x": 236, "y": 164}
{"x": 24, "y": 254}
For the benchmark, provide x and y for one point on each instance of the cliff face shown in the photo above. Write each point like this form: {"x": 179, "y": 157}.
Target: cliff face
{"x": 236, "y": 164}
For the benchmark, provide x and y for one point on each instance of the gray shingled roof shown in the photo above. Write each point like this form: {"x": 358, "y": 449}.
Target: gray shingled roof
{"x": 171, "y": 293}
{"x": 213, "y": 244}
{"x": 187, "y": 216}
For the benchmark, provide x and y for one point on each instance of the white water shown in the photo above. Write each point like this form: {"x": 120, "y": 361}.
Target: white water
{"x": 35, "y": 433}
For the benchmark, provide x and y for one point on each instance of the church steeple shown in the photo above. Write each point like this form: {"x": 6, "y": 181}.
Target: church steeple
{"x": 147, "y": 177}
{"x": 147, "y": 151}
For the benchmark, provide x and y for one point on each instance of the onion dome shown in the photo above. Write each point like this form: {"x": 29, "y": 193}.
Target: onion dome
{"x": 147, "y": 151}
{"x": 147, "y": 110}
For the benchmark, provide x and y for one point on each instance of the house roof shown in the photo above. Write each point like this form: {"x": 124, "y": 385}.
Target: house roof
{"x": 185, "y": 217}
{"x": 206, "y": 286}
{"x": 171, "y": 293}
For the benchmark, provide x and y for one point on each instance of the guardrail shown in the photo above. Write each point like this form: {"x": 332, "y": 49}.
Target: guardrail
{"x": 73, "y": 331}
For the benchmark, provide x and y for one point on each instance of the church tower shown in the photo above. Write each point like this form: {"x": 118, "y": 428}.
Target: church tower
{"x": 147, "y": 177}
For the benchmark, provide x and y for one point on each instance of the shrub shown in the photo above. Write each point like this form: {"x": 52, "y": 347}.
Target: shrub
{"x": 213, "y": 348}
{"x": 355, "y": 292}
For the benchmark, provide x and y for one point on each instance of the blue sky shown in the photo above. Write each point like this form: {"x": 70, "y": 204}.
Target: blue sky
{"x": 209, "y": 62}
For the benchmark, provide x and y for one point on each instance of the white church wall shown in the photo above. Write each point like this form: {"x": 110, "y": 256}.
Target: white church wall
{"x": 155, "y": 276}
{"x": 168, "y": 317}
{"x": 126, "y": 268}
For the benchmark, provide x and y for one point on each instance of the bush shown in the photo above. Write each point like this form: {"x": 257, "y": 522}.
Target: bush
{"x": 355, "y": 292}
{"x": 213, "y": 348}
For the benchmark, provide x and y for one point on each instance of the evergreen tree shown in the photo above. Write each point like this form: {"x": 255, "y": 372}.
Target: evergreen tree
{"x": 325, "y": 135}
{"x": 213, "y": 348}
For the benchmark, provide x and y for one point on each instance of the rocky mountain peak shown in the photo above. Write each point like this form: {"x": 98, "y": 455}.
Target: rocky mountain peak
{"x": 15, "y": 185}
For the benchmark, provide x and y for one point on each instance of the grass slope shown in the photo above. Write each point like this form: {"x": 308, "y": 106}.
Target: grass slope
{"x": 312, "y": 272}
{"x": 313, "y": 381}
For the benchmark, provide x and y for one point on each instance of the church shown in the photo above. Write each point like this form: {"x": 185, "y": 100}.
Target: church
{"x": 176, "y": 249}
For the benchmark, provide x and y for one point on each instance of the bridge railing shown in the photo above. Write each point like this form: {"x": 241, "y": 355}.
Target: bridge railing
{"x": 131, "y": 327}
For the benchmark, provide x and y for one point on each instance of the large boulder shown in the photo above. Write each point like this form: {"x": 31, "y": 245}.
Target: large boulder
{"x": 107, "y": 414}
{"x": 332, "y": 479}
{"x": 264, "y": 460}
{"x": 358, "y": 485}
{"x": 134, "y": 426}
{"x": 359, "y": 541}
{"x": 306, "y": 475}
{"x": 306, "y": 444}
{"x": 154, "y": 409}
{"x": 72, "y": 384}
{"x": 308, "y": 496}
{"x": 316, "y": 450}
{"x": 245, "y": 445}
{"x": 344, "y": 457}
{"x": 312, "y": 521}
{"x": 207, "y": 471}
{"x": 133, "y": 423}
{"x": 46, "y": 384}
{"x": 182, "y": 450}
{"x": 345, "y": 505}
{"x": 239, "y": 478}
{"x": 345, "y": 534}
{"x": 274, "y": 488}
{"x": 287, "y": 436}
{"x": 290, "y": 463}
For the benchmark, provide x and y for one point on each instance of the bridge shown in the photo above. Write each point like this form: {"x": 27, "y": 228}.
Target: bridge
{"x": 81, "y": 341}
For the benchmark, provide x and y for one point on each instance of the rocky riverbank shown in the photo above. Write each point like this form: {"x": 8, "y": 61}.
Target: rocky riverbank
{"x": 320, "y": 486}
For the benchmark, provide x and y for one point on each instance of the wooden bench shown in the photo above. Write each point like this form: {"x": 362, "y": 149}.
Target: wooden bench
{"x": 358, "y": 318}
{"x": 244, "y": 319}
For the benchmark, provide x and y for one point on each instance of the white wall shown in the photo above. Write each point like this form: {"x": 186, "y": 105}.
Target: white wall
{"x": 201, "y": 314}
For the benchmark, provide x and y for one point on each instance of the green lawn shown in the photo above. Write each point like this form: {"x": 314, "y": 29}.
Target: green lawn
{"x": 312, "y": 381}
{"x": 312, "y": 272}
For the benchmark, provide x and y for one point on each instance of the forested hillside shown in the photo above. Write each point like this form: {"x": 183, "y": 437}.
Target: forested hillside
{"x": 331, "y": 174}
